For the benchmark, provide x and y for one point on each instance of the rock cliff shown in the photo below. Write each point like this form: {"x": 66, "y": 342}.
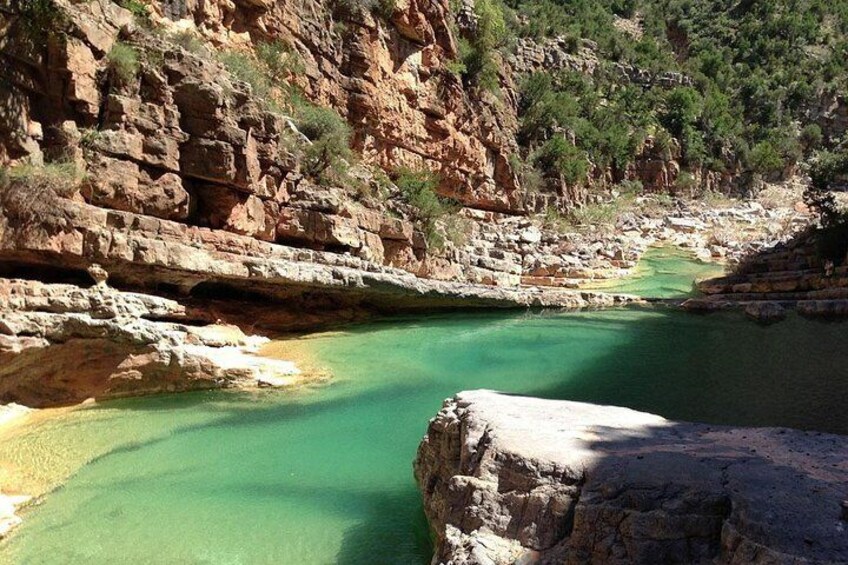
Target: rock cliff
{"x": 136, "y": 139}
{"x": 520, "y": 480}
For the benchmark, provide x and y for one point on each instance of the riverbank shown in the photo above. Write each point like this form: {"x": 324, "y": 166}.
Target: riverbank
{"x": 40, "y": 450}
{"x": 11, "y": 494}
{"x": 117, "y": 344}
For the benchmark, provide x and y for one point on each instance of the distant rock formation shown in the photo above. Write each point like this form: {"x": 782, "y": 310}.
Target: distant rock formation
{"x": 510, "y": 479}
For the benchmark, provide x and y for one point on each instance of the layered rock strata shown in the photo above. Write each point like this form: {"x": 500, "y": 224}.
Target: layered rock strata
{"x": 788, "y": 275}
{"x": 61, "y": 344}
{"x": 147, "y": 252}
{"x": 182, "y": 144}
{"x": 508, "y": 479}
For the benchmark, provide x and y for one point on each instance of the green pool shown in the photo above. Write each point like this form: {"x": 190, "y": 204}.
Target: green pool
{"x": 662, "y": 272}
{"x": 323, "y": 474}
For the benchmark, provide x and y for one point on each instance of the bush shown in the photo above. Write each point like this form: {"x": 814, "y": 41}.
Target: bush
{"x": 684, "y": 182}
{"x": 478, "y": 54}
{"x": 765, "y": 159}
{"x": 603, "y": 214}
{"x": 418, "y": 189}
{"x": 326, "y": 157}
{"x": 457, "y": 229}
{"x": 123, "y": 63}
{"x": 384, "y": 9}
{"x": 28, "y": 193}
{"x": 138, "y": 10}
{"x": 316, "y": 122}
{"x": 190, "y": 42}
{"x": 663, "y": 143}
{"x": 245, "y": 68}
{"x": 811, "y": 137}
{"x": 558, "y": 157}
{"x": 828, "y": 169}
{"x": 683, "y": 107}
{"x": 543, "y": 109}
{"x": 279, "y": 59}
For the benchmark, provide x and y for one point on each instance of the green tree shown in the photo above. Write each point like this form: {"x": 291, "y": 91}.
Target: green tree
{"x": 765, "y": 159}
{"x": 558, "y": 157}
{"x": 683, "y": 106}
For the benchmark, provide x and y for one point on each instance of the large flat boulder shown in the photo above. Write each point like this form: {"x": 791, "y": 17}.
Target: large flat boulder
{"x": 509, "y": 479}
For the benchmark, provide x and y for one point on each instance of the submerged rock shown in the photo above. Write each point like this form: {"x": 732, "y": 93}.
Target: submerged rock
{"x": 765, "y": 312}
{"x": 511, "y": 479}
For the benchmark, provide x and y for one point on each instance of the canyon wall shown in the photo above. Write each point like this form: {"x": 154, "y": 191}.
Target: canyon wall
{"x": 130, "y": 149}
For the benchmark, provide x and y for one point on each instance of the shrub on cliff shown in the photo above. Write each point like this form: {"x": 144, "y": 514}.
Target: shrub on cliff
{"x": 123, "y": 63}
{"x": 243, "y": 67}
{"x": 190, "y": 42}
{"x": 28, "y": 192}
{"x": 329, "y": 153}
{"x": 344, "y": 9}
{"x": 139, "y": 11}
{"x": 418, "y": 189}
{"x": 478, "y": 58}
{"x": 544, "y": 108}
{"x": 280, "y": 60}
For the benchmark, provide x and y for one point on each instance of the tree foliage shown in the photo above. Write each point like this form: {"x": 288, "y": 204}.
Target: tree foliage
{"x": 753, "y": 72}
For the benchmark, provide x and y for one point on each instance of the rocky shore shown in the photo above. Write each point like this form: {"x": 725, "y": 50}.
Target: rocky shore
{"x": 61, "y": 344}
{"x": 510, "y": 479}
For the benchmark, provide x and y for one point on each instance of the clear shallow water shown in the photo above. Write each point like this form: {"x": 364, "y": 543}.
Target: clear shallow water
{"x": 324, "y": 475}
{"x": 662, "y": 272}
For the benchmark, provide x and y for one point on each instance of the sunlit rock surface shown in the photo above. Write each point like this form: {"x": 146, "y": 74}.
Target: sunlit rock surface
{"x": 61, "y": 344}
{"x": 513, "y": 479}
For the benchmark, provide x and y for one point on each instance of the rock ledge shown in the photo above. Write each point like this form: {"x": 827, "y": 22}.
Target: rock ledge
{"x": 510, "y": 479}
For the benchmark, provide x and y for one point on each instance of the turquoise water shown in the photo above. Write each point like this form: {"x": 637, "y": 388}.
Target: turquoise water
{"x": 662, "y": 272}
{"x": 324, "y": 475}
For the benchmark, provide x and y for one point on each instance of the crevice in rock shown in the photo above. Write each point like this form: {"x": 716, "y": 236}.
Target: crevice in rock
{"x": 45, "y": 273}
{"x": 214, "y": 290}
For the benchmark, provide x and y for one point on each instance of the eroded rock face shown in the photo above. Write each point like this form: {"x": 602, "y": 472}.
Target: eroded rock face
{"x": 387, "y": 77}
{"x": 140, "y": 251}
{"x": 508, "y": 479}
{"x": 184, "y": 141}
{"x": 61, "y": 344}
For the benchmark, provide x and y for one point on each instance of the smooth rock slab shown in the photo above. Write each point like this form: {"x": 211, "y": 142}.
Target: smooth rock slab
{"x": 510, "y": 479}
